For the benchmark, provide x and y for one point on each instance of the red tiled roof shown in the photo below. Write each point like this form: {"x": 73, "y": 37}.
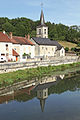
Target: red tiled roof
{"x": 14, "y": 53}
{"x": 22, "y": 40}
{"x": 14, "y": 41}
{"x": 4, "y": 38}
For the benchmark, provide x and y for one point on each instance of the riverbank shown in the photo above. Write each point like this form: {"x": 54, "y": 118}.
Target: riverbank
{"x": 53, "y": 61}
{"x": 33, "y": 73}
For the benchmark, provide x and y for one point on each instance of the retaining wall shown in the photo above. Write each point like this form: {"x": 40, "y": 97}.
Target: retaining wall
{"x": 9, "y": 67}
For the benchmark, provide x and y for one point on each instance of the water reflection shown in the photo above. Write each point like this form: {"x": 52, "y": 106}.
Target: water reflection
{"x": 58, "y": 97}
{"x": 45, "y": 87}
{"x": 42, "y": 88}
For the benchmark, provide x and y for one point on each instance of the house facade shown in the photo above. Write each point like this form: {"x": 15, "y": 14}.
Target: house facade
{"x": 5, "y": 46}
{"x": 44, "y": 47}
{"x": 15, "y": 48}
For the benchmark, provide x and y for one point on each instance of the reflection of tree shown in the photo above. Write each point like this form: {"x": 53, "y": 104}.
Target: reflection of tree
{"x": 70, "y": 83}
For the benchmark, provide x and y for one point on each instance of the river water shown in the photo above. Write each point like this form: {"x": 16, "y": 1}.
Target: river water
{"x": 54, "y": 98}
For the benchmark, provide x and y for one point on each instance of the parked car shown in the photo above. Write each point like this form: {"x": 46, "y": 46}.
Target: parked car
{"x": 2, "y": 59}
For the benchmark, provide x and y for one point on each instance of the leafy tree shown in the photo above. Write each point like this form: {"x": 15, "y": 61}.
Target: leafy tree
{"x": 66, "y": 49}
{"x": 8, "y": 27}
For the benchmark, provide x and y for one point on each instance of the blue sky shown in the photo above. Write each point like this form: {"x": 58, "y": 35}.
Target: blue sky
{"x": 58, "y": 11}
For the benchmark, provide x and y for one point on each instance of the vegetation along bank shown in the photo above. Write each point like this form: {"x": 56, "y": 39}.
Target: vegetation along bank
{"x": 33, "y": 73}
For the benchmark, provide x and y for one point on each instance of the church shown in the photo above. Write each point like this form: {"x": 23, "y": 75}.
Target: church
{"x": 44, "y": 47}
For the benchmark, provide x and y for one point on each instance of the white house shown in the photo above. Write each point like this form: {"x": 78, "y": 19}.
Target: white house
{"x": 16, "y": 48}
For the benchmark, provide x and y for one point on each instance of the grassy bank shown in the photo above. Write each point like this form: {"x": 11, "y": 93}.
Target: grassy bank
{"x": 32, "y": 73}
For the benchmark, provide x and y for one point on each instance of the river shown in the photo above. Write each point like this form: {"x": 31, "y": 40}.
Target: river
{"x": 54, "y": 98}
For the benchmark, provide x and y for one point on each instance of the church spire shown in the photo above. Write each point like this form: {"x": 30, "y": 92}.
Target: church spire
{"x": 42, "y": 21}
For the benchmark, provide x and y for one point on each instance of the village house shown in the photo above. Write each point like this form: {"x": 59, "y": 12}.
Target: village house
{"x": 5, "y": 46}
{"x": 44, "y": 47}
{"x": 23, "y": 46}
{"x": 15, "y": 48}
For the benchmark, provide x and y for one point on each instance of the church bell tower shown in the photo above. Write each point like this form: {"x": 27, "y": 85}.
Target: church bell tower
{"x": 42, "y": 29}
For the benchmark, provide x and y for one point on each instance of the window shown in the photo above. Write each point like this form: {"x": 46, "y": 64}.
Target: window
{"x": 45, "y": 94}
{"x": 2, "y": 54}
{"x": 46, "y": 48}
{"x": 40, "y": 94}
{"x": 6, "y": 46}
{"x": 44, "y": 31}
{"x": 24, "y": 57}
{"x": 39, "y": 31}
{"x": 52, "y": 49}
{"x": 7, "y": 54}
{"x": 14, "y": 48}
{"x": 62, "y": 51}
{"x": 42, "y": 48}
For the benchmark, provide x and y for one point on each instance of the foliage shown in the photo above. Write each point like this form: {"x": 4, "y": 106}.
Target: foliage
{"x": 72, "y": 49}
{"x": 32, "y": 73}
{"x": 66, "y": 49}
{"x": 24, "y": 54}
{"x": 22, "y": 26}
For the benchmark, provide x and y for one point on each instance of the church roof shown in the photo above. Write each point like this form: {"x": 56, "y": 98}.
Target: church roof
{"x": 42, "y": 21}
{"x": 44, "y": 86}
{"x": 46, "y": 41}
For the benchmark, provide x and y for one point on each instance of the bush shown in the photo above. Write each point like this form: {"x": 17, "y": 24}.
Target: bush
{"x": 66, "y": 49}
{"x": 72, "y": 49}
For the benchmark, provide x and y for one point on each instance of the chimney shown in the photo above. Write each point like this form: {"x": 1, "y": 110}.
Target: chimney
{"x": 28, "y": 37}
{"x": 4, "y": 31}
{"x": 10, "y": 35}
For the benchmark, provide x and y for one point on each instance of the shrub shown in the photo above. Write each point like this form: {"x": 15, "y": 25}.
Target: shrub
{"x": 66, "y": 49}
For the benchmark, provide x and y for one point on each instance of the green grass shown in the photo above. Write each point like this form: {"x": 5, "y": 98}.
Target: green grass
{"x": 32, "y": 73}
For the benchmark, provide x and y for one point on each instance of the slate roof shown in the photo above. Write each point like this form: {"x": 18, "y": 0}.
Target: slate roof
{"x": 46, "y": 41}
{"x": 42, "y": 26}
{"x": 44, "y": 86}
{"x": 42, "y": 21}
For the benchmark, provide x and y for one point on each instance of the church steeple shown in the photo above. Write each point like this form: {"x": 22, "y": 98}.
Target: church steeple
{"x": 42, "y": 21}
{"x": 42, "y": 29}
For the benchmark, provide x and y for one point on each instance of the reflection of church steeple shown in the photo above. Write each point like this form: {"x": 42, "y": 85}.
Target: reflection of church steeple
{"x": 42, "y": 104}
{"x": 42, "y": 95}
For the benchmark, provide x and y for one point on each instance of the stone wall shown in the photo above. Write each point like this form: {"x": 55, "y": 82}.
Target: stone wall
{"x": 10, "y": 67}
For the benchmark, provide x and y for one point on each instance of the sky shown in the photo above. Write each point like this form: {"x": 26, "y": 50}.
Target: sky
{"x": 56, "y": 11}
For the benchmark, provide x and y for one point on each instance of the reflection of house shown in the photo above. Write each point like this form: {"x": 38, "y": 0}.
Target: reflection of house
{"x": 43, "y": 45}
{"x": 62, "y": 76}
{"x": 47, "y": 80}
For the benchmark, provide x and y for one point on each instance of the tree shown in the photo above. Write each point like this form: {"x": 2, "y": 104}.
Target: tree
{"x": 66, "y": 49}
{"x": 8, "y": 27}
